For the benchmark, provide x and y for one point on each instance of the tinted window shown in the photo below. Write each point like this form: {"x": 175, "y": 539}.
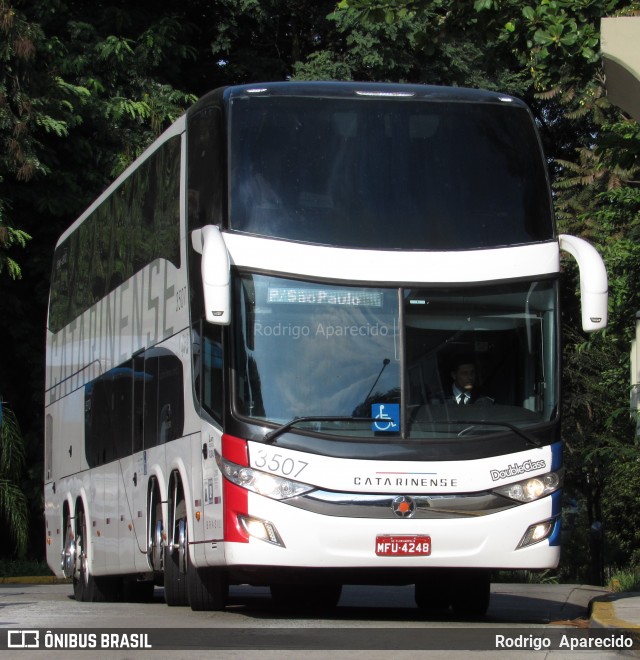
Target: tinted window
{"x": 137, "y": 224}
{"x": 134, "y": 406}
{"x": 387, "y": 174}
{"x": 207, "y": 367}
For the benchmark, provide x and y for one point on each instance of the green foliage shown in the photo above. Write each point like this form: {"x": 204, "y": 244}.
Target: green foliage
{"x": 85, "y": 87}
{"x": 79, "y": 86}
{"x": 416, "y": 41}
{"x": 625, "y": 580}
{"x": 23, "y": 567}
{"x": 8, "y": 238}
{"x": 13, "y": 503}
{"x": 525, "y": 577}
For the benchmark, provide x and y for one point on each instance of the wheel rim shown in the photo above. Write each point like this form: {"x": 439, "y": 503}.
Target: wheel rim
{"x": 156, "y": 551}
{"x": 82, "y": 553}
{"x": 182, "y": 545}
{"x": 68, "y": 561}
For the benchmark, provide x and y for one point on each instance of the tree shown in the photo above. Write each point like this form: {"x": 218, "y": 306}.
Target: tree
{"x": 86, "y": 85}
{"x": 420, "y": 42}
{"x": 83, "y": 89}
{"x": 13, "y": 502}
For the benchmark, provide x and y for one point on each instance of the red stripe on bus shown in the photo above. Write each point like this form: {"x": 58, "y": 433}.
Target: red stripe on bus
{"x": 235, "y": 450}
{"x": 236, "y": 501}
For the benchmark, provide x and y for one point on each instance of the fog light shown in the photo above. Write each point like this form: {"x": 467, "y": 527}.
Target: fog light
{"x": 536, "y": 533}
{"x": 260, "y": 529}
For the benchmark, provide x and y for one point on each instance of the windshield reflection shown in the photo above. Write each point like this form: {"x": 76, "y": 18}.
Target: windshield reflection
{"x": 476, "y": 361}
{"x": 309, "y": 350}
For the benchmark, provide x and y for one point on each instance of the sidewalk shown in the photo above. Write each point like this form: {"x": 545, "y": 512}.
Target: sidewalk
{"x": 616, "y": 610}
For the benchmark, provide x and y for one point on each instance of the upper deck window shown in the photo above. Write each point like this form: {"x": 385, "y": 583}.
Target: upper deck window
{"x": 387, "y": 173}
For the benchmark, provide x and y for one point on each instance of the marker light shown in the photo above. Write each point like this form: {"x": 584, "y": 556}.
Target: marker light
{"x": 263, "y": 483}
{"x": 384, "y": 94}
{"x": 533, "y": 488}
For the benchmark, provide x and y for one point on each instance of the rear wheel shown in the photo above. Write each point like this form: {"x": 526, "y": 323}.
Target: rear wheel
{"x": 68, "y": 558}
{"x": 86, "y": 587}
{"x": 155, "y": 527}
{"x": 137, "y": 591}
{"x": 175, "y": 582}
{"x": 174, "y": 564}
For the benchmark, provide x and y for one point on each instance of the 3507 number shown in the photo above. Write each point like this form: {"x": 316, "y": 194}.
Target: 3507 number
{"x": 278, "y": 464}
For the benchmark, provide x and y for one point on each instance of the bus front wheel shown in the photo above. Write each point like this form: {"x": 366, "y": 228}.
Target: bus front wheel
{"x": 471, "y": 592}
{"x": 208, "y": 587}
{"x": 432, "y": 593}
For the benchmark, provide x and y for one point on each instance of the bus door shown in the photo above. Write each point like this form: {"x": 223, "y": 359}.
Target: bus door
{"x": 126, "y": 431}
{"x": 207, "y": 365}
{"x": 107, "y": 430}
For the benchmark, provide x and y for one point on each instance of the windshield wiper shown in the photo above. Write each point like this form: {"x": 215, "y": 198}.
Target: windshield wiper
{"x": 486, "y": 422}
{"x": 272, "y": 435}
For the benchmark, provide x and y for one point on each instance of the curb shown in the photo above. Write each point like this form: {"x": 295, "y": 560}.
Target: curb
{"x": 604, "y": 614}
{"x": 35, "y": 579}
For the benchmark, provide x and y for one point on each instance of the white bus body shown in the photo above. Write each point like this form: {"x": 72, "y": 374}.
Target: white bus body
{"x": 256, "y": 391}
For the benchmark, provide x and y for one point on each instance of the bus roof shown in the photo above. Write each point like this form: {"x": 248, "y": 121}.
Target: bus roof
{"x": 334, "y": 89}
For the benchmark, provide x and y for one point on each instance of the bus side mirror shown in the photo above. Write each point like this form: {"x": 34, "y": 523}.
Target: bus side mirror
{"x": 594, "y": 286}
{"x": 216, "y": 279}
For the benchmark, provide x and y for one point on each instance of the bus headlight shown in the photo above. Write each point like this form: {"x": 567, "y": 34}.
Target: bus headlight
{"x": 532, "y": 488}
{"x": 263, "y": 483}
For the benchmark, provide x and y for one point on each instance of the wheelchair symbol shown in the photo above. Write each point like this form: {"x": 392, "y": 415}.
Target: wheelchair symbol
{"x": 386, "y": 420}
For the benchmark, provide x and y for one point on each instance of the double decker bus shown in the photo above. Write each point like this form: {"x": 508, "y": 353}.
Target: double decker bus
{"x": 253, "y": 336}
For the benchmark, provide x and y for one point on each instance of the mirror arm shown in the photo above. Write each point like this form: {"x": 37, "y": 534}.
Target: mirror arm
{"x": 594, "y": 285}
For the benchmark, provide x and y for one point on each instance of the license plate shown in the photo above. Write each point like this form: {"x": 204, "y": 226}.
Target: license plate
{"x": 403, "y": 546}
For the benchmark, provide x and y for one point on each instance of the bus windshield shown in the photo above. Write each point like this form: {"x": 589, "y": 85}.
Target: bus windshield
{"x": 309, "y": 350}
{"x": 371, "y": 173}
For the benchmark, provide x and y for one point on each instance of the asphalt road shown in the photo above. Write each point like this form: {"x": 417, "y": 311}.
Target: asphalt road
{"x": 368, "y": 623}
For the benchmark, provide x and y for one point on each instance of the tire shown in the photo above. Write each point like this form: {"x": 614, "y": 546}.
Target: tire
{"x": 137, "y": 591}
{"x": 432, "y": 593}
{"x": 86, "y": 587}
{"x": 471, "y": 593}
{"x": 306, "y": 596}
{"x": 208, "y": 588}
{"x": 175, "y": 582}
{"x": 81, "y": 586}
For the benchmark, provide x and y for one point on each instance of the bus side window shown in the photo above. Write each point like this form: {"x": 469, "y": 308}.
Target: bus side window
{"x": 122, "y": 403}
{"x": 108, "y": 415}
{"x": 205, "y": 153}
{"x": 139, "y": 378}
